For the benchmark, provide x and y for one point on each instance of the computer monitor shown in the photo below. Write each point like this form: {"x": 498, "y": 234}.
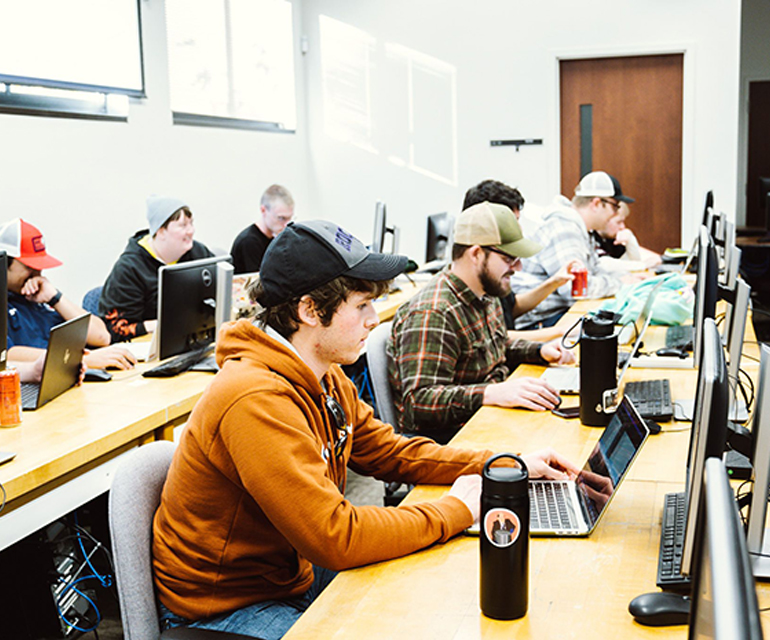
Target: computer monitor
{"x": 757, "y": 538}
{"x": 709, "y": 204}
{"x": 724, "y": 598}
{"x": 709, "y": 428}
{"x": 190, "y": 302}
{"x": 382, "y": 230}
{"x": 706, "y": 287}
{"x": 437, "y": 244}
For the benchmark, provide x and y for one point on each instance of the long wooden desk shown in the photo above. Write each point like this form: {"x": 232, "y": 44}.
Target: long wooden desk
{"x": 579, "y": 587}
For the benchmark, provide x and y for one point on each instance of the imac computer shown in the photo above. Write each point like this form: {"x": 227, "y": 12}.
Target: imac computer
{"x": 382, "y": 230}
{"x": 438, "y": 245}
{"x": 193, "y": 300}
{"x": 706, "y": 287}
{"x": 724, "y": 598}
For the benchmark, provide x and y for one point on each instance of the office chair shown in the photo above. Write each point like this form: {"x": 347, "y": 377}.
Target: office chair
{"x": 91, "y": 300}
{"x": 134, "y": 498}
{"x": 377, "y": 360}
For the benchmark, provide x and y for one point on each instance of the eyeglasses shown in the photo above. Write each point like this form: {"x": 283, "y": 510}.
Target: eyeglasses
{"x": 337, "y": 414}
{"x": 508, "y": 260}
{"x": 614, "y": 205}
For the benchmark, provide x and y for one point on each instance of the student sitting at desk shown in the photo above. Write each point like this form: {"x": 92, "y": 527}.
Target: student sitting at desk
{"x": 129, "y": 301}
{"x": 449, "y": 352}
{"x": 564, "y": 233}
{"x": 618, "y": 248}
{"x": 276, "y": 209}
{"x": 35, "y": 305}
{"x": 253, "y": 521}
{"x": 518, "y": 303}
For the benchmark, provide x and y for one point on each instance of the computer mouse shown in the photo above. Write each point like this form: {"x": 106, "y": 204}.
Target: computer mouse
{"x": 671, "y": 351}
{"x": 97, "y": 375}
{"x": 660, "y": 609}
{"x": 653, "y": 426}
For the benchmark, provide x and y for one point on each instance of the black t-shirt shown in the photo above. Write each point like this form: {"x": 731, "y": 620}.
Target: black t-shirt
{"x": 249, "y": 249}
{"x": 607, "y": 246}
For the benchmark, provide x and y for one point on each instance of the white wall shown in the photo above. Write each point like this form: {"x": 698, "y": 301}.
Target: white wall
{"x": 755, "y": 65}
{"x": 84, "y": 183}
{"x": 505, "y": 59}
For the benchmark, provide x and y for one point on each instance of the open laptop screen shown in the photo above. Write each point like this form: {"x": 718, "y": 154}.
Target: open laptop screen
{"x": 621, "y": 441}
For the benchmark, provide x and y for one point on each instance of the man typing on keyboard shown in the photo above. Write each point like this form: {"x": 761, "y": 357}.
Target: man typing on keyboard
{"x": 253, "y": 521}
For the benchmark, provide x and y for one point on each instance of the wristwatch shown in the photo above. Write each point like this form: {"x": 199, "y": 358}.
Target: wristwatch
{"x": 54, "y": 301}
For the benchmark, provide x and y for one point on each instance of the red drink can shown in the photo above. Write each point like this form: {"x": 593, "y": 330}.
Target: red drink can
{"x": 10, "y": 398}
{"x": 580, "y": 283}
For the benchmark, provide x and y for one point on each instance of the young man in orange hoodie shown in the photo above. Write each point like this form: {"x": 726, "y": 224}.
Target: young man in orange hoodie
{"x": 253, "y": 521}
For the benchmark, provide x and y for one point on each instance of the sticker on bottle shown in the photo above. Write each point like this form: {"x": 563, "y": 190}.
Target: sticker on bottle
{"x": 502, "y": 527}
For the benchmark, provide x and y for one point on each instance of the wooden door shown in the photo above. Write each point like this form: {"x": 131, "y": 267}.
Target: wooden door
{"x": 759, "y": 151}
{"x": 624, "y": 116}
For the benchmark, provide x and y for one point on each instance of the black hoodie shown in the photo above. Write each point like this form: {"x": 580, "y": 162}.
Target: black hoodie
{"x": 130, "y": 293}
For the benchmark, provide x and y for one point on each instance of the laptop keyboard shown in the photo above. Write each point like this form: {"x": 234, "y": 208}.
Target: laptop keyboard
{"x": 680, "y": 337}
{"x": 652, "y": 398}
{"x": 549, "y": 507}
{"x": 672, "y": 542}
{"x": 29, "y": 394}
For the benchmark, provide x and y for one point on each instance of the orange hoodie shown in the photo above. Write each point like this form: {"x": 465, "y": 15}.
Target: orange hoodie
{"x": 250, "y": 500}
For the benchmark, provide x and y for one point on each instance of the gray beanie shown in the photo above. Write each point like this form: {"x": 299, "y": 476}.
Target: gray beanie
{"x": 160, "y": 209}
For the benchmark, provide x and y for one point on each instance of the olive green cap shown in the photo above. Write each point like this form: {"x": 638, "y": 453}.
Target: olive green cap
{"x": 493, "y": 225}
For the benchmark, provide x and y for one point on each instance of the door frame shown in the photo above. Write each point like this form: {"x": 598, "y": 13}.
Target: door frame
{"x": 743, "y": 143}
{"x": 691, "y": 203}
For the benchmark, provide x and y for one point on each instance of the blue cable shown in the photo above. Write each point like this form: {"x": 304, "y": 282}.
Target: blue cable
{"x": 106, "y": 581}
{"x": 71, "y": 586}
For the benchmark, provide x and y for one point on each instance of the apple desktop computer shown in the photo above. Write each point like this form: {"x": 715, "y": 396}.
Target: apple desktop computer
{"x": 192, "y": 304}
{"x": 382, "y": 230}
{"x": 724, "y": 598}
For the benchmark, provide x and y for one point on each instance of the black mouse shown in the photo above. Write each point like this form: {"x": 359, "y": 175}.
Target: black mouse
{"x": 653, "y": 426}
{"x": 97, "y": 375}
{"x": 671, "y": 351}
{"x": 660, "y": 609}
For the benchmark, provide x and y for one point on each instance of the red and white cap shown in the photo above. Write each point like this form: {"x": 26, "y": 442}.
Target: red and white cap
{"x": 23, "y": 241}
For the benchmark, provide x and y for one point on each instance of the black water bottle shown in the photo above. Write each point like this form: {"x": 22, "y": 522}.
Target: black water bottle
{"x": 598, "y": 363}
{"x": 504, "y": 539}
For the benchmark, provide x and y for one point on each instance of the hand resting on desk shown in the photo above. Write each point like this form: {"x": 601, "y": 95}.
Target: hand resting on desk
{"x": 527, "y": 393}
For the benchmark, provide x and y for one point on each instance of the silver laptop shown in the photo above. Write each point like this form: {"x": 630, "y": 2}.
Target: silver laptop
{"x": 566, "y": 380}
{"x": 574, "y": 507}
{"x": 62, "y": 363}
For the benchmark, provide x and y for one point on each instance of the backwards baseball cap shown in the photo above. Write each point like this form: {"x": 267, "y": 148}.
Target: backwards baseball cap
{"x": 599, "y": 184}
{"x": 23, "y": 241}
{"x": 306, "y": 255}
{"x": 493, "y": 225}
{"x": 160, "y": 209}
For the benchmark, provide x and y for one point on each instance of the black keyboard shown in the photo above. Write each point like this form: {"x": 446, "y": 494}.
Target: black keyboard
{"x": 672, "y": 543}
{"x": 680, "y": 337}
{"x": 652, "y": 399}
{"x": 178, "y": 364}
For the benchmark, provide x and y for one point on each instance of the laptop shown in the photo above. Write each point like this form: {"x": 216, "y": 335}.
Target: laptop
{"x": 566, "y": 380}
{"x": 62, "y": 363}
{"x": 574, "y": 507}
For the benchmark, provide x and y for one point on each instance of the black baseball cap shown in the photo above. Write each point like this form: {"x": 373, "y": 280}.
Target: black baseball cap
{"x": 307, "y": 255}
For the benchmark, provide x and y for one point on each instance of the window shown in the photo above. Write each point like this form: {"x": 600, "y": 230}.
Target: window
{"x": 231, "y": 63}
{"x": 80, "y": 57}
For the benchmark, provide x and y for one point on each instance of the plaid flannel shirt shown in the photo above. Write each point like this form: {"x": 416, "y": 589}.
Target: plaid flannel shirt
{"x": 445, "y": 347}
{"x": 564, "y": 237}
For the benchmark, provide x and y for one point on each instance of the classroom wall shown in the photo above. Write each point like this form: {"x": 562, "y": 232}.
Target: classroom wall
{"x": 84, "y": 182}
{"x": 486, "y": 71}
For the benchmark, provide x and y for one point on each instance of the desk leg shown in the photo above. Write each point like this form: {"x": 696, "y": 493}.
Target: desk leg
{"x": 166, "y": 432}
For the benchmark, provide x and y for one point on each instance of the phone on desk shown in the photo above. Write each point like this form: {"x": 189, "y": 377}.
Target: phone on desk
{"x": 566, "y": 412}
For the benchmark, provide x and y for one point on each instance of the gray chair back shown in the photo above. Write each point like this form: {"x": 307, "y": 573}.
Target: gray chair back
{"x": 377, "y": 360}
{"x": 134, "y": 498}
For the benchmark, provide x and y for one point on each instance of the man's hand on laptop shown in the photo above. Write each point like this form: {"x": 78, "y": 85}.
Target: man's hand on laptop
{"x": 554, "y": 352}
{"x": 468, "y": 490}
{"x": 548, "y": 464}
{"x": 528, "y": 393}
{"x": 113, "y": 357}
